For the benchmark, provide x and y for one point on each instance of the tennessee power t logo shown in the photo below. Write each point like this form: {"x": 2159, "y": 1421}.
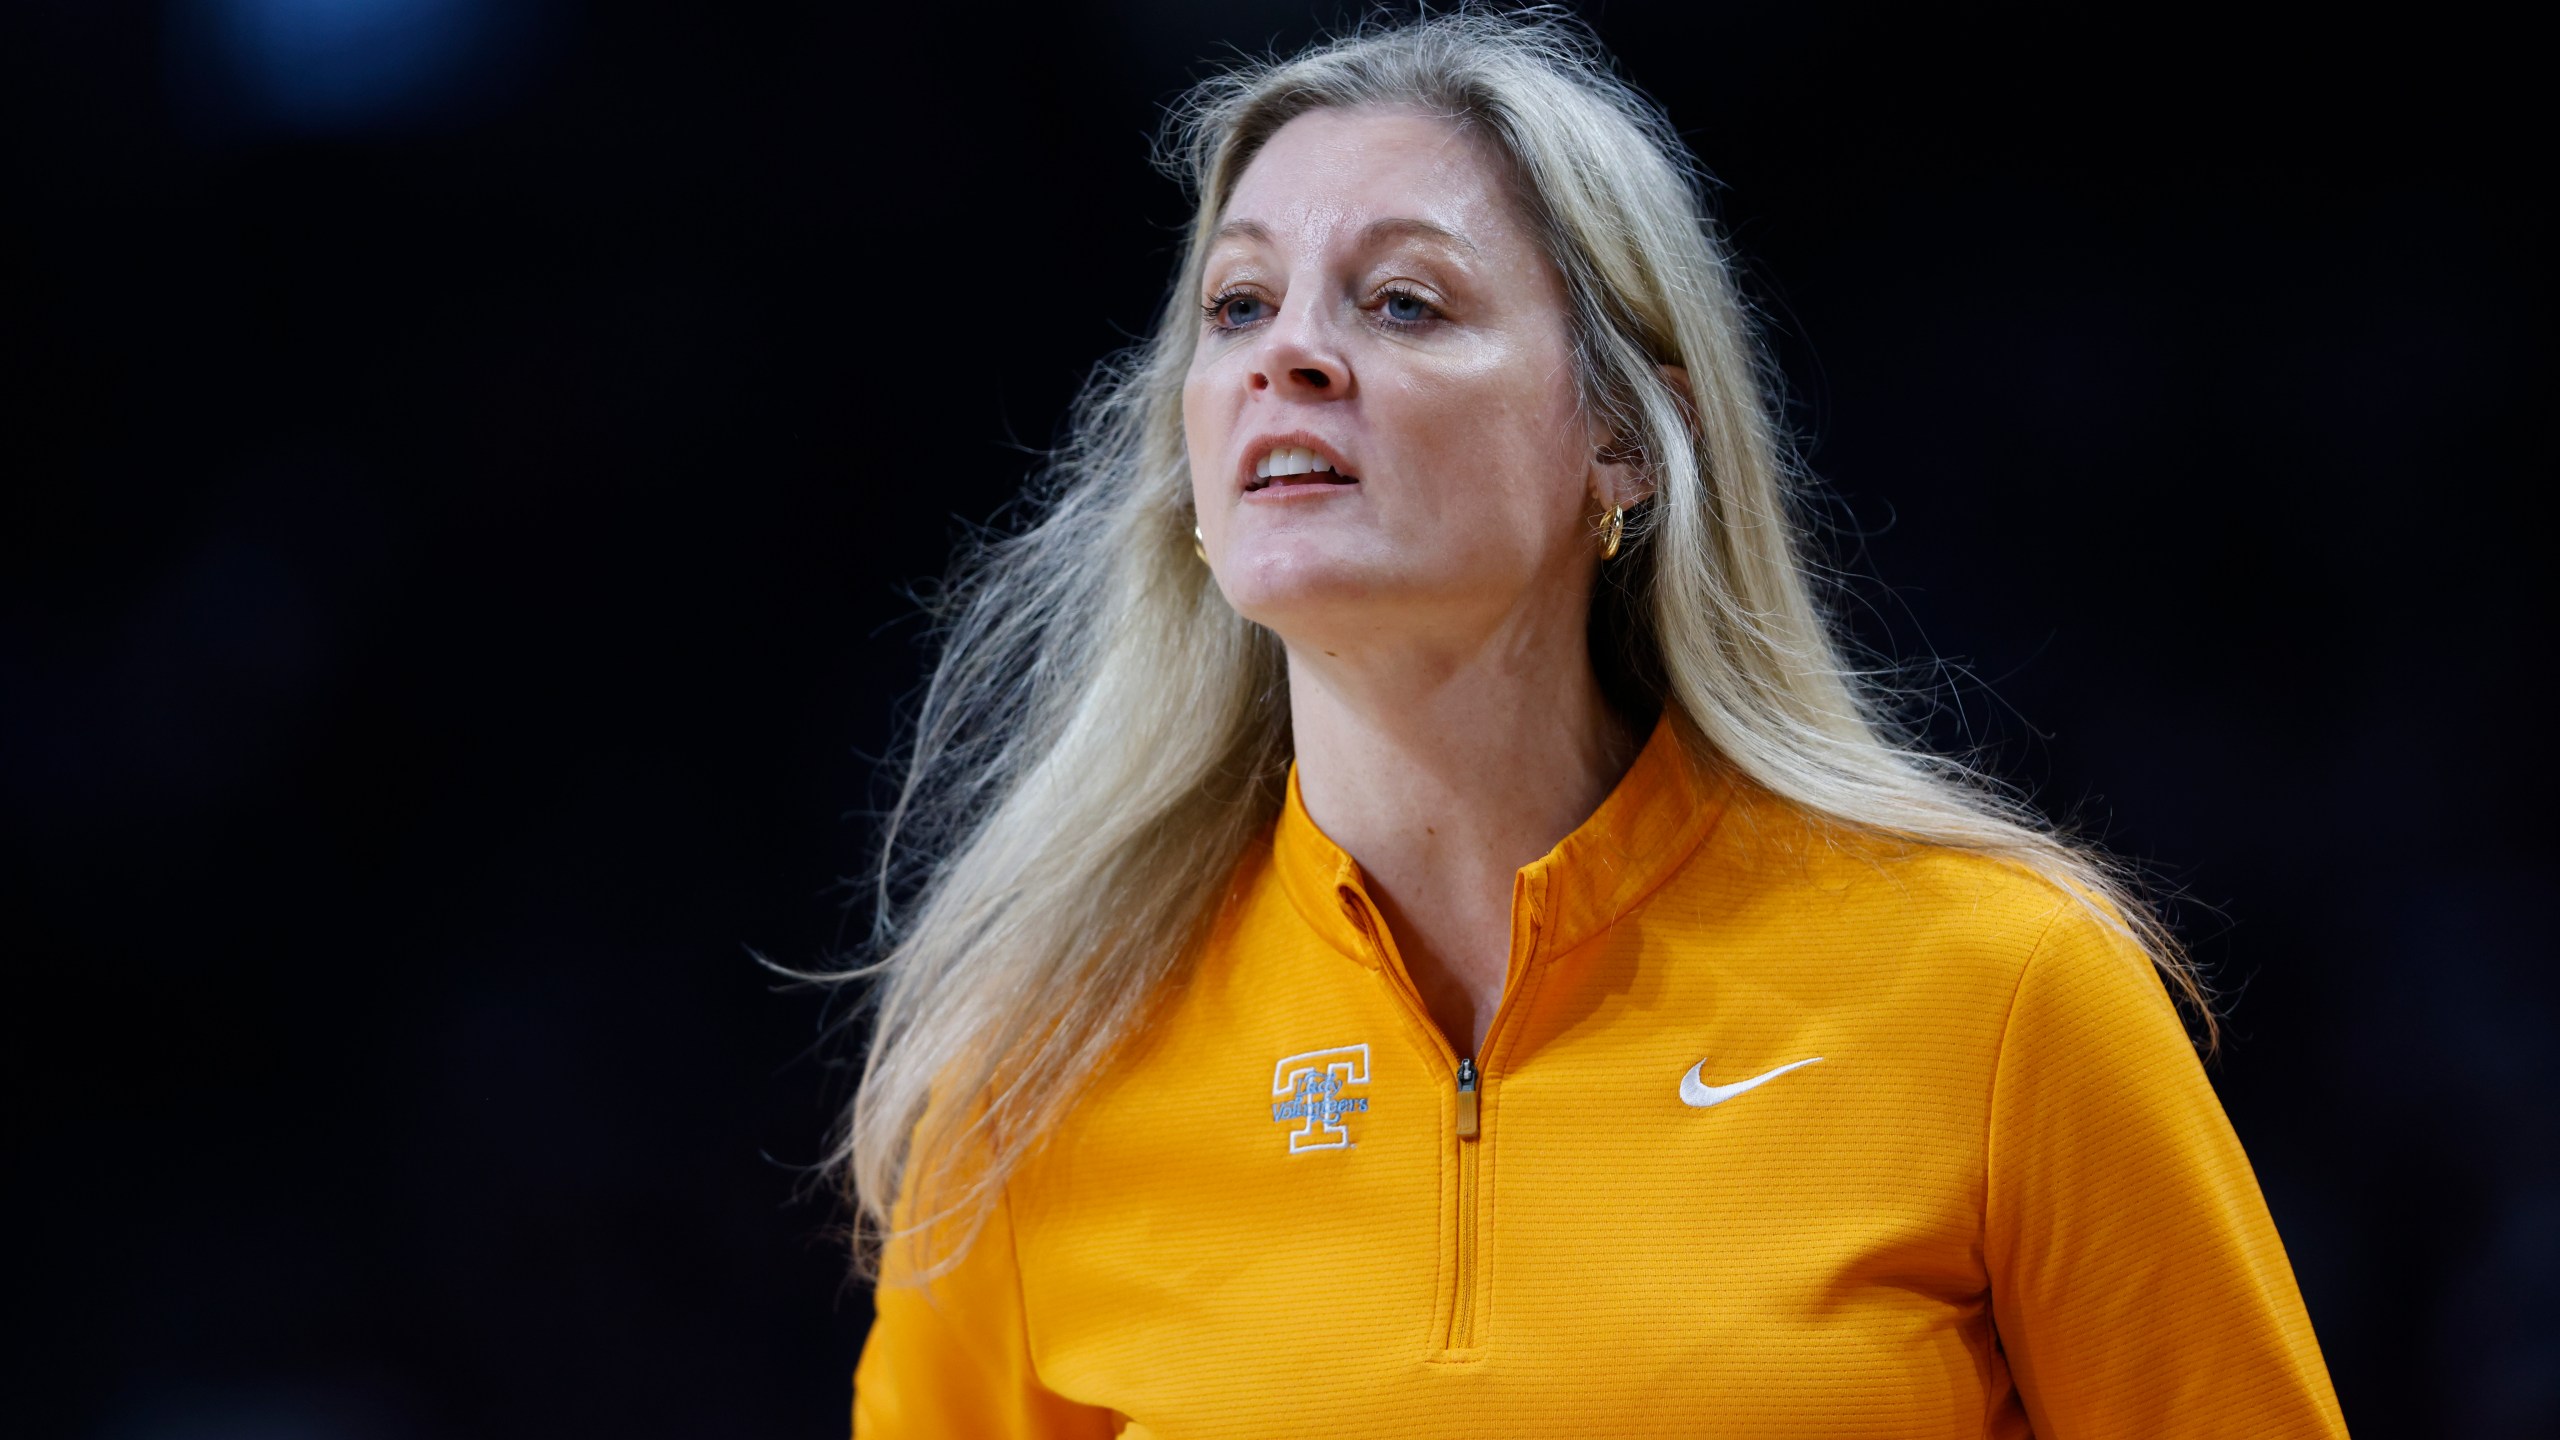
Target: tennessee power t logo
{"x": 1307, "y": 1088}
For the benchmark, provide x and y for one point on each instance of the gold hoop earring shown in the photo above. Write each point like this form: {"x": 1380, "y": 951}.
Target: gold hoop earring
{"x": 1613, "y": 532}
{"x": 1199, "y": 546}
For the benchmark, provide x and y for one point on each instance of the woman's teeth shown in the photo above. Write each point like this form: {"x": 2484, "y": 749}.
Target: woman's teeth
{"x": 1289, "y": 460}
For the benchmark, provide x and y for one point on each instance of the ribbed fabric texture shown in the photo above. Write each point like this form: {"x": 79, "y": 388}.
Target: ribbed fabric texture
{"x": 2003, "y": 1202}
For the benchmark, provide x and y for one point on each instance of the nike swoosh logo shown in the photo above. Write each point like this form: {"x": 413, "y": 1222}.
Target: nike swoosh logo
{"x": 1697, "y": 1092}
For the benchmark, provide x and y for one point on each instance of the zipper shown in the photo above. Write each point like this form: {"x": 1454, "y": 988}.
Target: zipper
{"x": 1462, "y": 1301}
{"x": 1467, "y": 1242}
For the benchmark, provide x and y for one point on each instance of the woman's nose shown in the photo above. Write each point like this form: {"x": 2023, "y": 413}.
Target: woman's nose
{"x": 1299, "y": 358}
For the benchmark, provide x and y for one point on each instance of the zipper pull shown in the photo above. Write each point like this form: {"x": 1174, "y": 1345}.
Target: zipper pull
{"x": 1467, "y": 1099}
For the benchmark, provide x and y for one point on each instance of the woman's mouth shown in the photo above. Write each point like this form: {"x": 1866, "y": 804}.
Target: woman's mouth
{"x": 1291, "y": 466}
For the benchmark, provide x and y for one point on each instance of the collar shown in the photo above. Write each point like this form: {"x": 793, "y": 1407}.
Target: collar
{"x": 1652, "y": 821}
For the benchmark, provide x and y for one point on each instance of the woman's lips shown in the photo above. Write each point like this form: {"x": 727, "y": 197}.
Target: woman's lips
{"x": 1298, "y": 462}
{"x": 1312, "y": 480}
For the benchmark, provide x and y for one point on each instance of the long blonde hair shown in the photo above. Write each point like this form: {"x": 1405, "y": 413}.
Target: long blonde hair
{"x": 1103, "y": 737}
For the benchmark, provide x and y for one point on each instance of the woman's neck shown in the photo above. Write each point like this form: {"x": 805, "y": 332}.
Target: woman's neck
{"x": 1442, "y": 774}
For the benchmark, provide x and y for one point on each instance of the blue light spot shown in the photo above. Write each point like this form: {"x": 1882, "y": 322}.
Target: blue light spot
{"x": 335, "y": 65}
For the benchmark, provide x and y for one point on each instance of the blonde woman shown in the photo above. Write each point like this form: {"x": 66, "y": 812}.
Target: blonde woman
{"x": 1406, "y": 924}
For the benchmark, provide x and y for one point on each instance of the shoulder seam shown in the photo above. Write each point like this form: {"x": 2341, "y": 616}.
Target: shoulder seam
{"x": 1021, "y": 1296}
{"x": 2000, "y": 1063}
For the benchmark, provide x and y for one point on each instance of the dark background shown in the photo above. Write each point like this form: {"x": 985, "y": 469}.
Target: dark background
{"x": 463, "y": 461}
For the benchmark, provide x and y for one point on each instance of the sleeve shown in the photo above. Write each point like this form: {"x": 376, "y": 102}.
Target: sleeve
{"x": 2136, "y": 1278}
{"x": 952, "y": 1356}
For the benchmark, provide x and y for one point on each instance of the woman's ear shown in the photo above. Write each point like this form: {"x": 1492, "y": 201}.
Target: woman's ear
{"x": 1676, "y": 379}
{"x": 1620, "y": 476}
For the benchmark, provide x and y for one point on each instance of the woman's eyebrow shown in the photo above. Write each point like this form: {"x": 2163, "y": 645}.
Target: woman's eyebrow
{"x": 1392, "y": 228}
{"x": 1413, "y": 229}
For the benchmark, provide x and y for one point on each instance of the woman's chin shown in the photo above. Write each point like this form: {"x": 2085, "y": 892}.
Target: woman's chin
{"x": 1287, "y": 587}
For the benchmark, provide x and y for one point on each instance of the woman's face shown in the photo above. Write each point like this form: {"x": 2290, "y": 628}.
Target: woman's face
{"x": 1375, "y": 305}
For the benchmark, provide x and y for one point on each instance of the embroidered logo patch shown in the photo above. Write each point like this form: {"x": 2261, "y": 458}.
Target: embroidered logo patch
{"x": 1306, "y": 1091}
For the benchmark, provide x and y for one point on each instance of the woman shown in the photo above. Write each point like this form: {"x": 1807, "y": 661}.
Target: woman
{"x": 1419, "y": 930}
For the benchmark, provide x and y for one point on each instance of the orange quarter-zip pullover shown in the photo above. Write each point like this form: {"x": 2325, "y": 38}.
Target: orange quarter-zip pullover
{"x": 1775, "y": 1133}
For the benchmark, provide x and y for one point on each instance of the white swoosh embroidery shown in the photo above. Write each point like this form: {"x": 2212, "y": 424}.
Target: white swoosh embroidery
{"x": 1697, "y": 1092}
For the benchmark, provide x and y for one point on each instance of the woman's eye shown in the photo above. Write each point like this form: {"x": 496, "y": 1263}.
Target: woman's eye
{"x": 1406, "y": 308}
{"x": 1234, "y": 310}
